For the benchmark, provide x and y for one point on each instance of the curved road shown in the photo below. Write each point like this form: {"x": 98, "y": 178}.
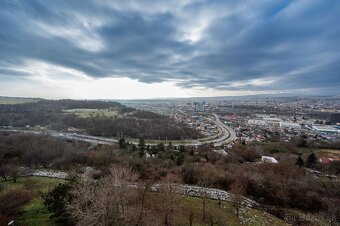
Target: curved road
{"x": 228, "y": 136}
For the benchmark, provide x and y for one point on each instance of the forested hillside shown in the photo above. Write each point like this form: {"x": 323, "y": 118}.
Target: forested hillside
{"x": 125, "y": 121}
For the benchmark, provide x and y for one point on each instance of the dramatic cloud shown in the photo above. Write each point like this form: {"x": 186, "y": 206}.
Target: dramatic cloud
{"x": 220, "y": 46}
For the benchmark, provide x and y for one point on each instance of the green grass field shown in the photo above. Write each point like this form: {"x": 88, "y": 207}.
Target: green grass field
{"x": 89, "y": 113}
{"x": 35, "y": 213}
{"x": 224, "y": 214}
{"x": 328, "y": 153}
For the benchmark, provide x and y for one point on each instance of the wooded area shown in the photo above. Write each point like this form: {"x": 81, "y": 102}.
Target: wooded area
{"x": 131, "y": 123}
{"x": 282, "y": 185}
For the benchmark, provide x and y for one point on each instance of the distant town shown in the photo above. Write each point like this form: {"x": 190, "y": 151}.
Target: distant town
{"x": 256, "y": 119}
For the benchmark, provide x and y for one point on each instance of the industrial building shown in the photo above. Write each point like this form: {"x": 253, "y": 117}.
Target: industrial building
{"x": 273, "y": 121}
{"x": 324, "y": 129}
{"x": 290, "y": 125}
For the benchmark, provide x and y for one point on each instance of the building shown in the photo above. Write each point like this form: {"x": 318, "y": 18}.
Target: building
{"x": 308, "y": 123}
{"x": 257, "y": 122}
{"x": 324, "y": 129}
{"x": 290, "y": 125}
{"x": 273, "y": 121}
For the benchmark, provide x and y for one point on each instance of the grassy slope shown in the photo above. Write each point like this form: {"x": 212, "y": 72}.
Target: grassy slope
{"x": 321, "y": 152}
{"x": 33, "y": 213}
{"x": 226, "y": 214}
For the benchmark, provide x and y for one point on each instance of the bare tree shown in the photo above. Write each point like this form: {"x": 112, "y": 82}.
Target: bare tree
{"x": 238, "y": 190}
{"x": 105, "y": 202}
{"x": 191, "y": 217}
{"x": 142, "y": 196}
{"x": 4, "y": 171}
{"x": 169, "y": 197}
{"x": 13, "y": 172}
{"x": 205, "y": 181}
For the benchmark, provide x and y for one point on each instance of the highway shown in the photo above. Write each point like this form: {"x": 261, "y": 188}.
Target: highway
{"x": 228, "y": 136}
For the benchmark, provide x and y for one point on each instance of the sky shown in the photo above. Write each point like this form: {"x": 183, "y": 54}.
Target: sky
{"x": 140, "y": 49}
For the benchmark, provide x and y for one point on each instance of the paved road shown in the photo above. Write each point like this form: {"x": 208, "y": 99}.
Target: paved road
{"x": 229, "y": 133}
{"x": 227, "y": 137}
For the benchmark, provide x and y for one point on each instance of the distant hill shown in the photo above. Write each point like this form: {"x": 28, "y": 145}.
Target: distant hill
{"x": 17, "y": 100}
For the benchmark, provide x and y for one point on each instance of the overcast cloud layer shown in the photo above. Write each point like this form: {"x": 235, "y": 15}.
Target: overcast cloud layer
{"x": 258, "y": 45}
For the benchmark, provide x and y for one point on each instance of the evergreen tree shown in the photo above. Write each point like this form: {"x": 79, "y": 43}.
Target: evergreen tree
{"x": 302, "y": 143}
{"x": 141, "y": 147}
{"x": 56, "y": 202}
{"x": 134, "y": 148}
{"x": 122, "y": 143}
{"x": 161, "y": 147}
{"x": 299, "y": 161}
{"x": 311, "y": 160}
{"x": 141, "y": 144}
{"x": 180, "y": 159}
{"x": 154, "y": 150}
{"x": 182, "y": 149}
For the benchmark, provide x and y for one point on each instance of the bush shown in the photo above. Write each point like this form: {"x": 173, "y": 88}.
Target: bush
{"x": 96, "y": 175}
{"x": 56, "y": 201}
{"x": 13, "y": 200}
{"x": 194, "y": 174}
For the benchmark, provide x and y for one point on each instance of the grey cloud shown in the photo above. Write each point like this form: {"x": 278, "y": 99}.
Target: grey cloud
{"x": 293, "y": 43}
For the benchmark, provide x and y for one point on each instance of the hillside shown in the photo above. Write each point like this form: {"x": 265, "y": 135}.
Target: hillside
{"x": 17, "y": 100}
{"x": 100, "y": 118}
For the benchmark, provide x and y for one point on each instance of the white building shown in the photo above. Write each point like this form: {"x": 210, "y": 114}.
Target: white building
{"x": 308, "y": 123}
{"x": 257, "y": 122}
{"x": 273, "y": 121}
{"x": 290, "y": 125}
